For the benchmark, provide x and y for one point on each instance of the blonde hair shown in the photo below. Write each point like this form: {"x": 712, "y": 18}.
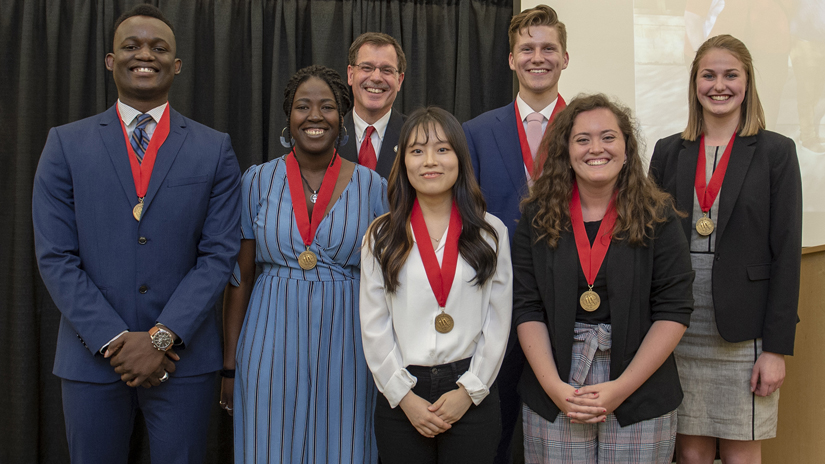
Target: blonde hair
{"x": 752, "y": 117}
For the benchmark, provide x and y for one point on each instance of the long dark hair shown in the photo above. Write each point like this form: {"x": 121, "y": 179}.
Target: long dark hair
{"x": 640, "y": 204}
{"x": 390, "y": 235}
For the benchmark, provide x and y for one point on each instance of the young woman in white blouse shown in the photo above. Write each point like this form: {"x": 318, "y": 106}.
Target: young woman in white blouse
{"x": 436, "y": 301}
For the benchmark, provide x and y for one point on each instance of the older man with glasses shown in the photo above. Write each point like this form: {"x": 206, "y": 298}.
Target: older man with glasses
{"x": 375, "y": 73}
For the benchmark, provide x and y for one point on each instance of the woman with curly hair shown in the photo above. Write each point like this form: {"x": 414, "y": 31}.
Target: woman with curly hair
{"x": 602, "y": 279}
{"x": 436, "y": 300}
{"x": 302, "y": 389}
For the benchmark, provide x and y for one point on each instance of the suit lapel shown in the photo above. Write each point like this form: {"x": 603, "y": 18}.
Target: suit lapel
{"x": 563, "y": 266}
{"x": 509, "y": 147}
{"x": 112, "y": 134}
{"x": 388, "y": 146}
{"x": 685, "y": 182}
{"x": 166, "y": 156}
{"x": 620, "y": 288}
{"x": 740, "y": 159}
{"x": 349, "y": 151}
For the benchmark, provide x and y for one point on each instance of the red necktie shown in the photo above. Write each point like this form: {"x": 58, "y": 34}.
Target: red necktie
{"x": 366, "y": 156}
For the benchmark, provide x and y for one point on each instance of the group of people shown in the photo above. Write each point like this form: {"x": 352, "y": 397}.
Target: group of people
{"x": 427, "y": 291}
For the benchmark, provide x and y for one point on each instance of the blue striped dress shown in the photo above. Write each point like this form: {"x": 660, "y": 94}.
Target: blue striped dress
{"x": 303, "y": 391}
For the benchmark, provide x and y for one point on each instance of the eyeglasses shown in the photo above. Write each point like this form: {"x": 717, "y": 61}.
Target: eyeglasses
{"x": 368, "y": 68}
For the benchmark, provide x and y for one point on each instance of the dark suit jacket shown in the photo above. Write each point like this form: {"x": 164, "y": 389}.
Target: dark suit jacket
{"x": 387, "y": 156}
{"x": 759, "y": 233}
{"x": 644, "y": 285}
{"x": 108, "y": 272}
{"x": 495, "y": 151}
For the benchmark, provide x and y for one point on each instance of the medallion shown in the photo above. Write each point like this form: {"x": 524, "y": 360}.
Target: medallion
{"x": 590, "y": 301}
{"x": 314, "y": 197}
{"x": 705, "y": 226}
{"x": 443, "y": 322}
{"x": 307, "y": 260}
{"x": 137, "y": 211}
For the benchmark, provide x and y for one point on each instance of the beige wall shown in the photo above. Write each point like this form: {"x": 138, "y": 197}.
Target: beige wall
{"x": 600, "y": 47}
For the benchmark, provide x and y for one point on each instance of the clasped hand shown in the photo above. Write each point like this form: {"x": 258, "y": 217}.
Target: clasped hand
{"x": 431, "y": 419}
{"x": 589, "y": 404}
{"x": 138, "y": 362}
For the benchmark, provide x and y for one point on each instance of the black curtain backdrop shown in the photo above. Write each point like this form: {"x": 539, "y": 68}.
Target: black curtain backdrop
{"x": 237, "y": 57}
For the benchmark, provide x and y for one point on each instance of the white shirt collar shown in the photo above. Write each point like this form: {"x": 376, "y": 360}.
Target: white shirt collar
{"x": 525, "y": 110}
{"x": 361, "y": 126}
{"x": 128, "y": 114}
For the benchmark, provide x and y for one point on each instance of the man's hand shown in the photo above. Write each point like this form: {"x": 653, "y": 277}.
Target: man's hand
{"x": 135, "y": 358}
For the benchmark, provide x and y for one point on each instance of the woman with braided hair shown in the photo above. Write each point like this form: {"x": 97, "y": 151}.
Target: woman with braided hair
{"x": 302, "y": 389}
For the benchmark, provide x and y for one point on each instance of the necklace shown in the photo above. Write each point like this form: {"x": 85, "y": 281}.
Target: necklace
{"x": 314, "y": 197}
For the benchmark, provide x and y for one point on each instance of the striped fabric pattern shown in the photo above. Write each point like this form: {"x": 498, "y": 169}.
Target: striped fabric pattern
{"x": 303, "y": 392}
{"x": 646, "y": 442}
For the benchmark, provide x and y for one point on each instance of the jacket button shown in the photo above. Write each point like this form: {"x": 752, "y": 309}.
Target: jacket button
{"x": 143, "y": 289}
{"x": 142, "y": 240}
{"x": 718, "y": 258}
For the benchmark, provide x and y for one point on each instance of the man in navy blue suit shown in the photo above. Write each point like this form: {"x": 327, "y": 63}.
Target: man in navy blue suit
{"x": 136, "y": 219}
{"x": 504, "y": 151}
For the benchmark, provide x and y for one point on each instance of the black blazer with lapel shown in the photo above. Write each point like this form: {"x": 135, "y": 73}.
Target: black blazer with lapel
{"x": 644, "y": 285}
{"x": 387, "y": 155}
{"x": 759, "y": 233}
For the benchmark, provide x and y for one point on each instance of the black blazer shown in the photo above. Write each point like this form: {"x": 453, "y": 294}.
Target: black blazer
{"x": 387, "y": 155}
{"x": 644, "y": 285}
{"x": 759, "y": 233}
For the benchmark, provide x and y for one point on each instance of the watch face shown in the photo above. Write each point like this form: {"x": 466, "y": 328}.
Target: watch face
{"x": 162, "y": 340}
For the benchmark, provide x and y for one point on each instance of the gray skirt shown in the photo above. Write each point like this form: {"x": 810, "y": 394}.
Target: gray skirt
{"x": 715, "y": 374}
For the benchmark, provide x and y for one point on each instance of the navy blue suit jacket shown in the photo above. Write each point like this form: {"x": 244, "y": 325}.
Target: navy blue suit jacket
{"x": 499, "y": 168}
{"x": 108, "y": 272}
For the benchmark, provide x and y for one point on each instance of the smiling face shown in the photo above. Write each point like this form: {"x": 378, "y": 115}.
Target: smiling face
{"x": 432, "y": 164}
{"x": 720, "y": 84}
{"x": 314, "y": 119}
{"x": 538, "y": 60}
{"x": 374, "y": 92}
{"x": 597, "y": 149}
{"x": 143, "y": 63}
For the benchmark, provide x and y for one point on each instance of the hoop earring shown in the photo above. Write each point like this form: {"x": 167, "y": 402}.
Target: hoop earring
{"x": 284, "y": 142}
{"x": 343, "y": 139}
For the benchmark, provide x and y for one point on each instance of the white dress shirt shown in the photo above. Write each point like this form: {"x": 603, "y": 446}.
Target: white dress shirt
{"x": 129, "y": 116}
{"x": 398, "y": 329}
{"x": 377, "y": 136}
{"x": 525, "y": 110}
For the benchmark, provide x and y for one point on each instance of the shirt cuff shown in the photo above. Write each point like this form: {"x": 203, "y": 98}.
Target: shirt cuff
{"x": 103, "y": 349}
{"x": 398, "y": 386}
{"x": 475, "y": 388}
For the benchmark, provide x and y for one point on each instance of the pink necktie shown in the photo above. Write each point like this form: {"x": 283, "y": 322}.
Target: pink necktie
{"x": 534, "y": 132}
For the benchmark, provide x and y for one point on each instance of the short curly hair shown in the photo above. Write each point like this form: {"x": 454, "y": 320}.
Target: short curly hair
{"x": 339, "y": 89}
{"x": 143, "y": 9}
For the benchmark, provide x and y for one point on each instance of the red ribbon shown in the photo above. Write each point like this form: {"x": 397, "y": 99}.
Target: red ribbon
{"x": 707, "y": 195}
{"x": 522, "y": 138}
{"x": 142, "y": 172}
{"x": 591, "y": 259}
{"x": 299, "y": 201}
{"x": 441, "y": 279}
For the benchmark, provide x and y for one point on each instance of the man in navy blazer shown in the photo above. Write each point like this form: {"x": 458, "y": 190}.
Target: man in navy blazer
{"x": 375, "y": 73}
{"x": 499, "y": 151}
{"x": 135, "y": 266}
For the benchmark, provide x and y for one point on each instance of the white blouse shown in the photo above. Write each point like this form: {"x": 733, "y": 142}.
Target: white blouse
{"x": 398, "y": 330}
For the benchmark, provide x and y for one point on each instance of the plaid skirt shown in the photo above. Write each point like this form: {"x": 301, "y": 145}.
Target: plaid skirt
{"x": 649, "y": 441}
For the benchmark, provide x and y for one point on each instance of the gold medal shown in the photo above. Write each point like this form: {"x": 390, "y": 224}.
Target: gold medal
{"x": 307, "y": 260}
{"x": 443, "y": 322}
{"x": 137, "y": 211}
{"x": 705, "y": 226}
{"x": 590, "y": 300}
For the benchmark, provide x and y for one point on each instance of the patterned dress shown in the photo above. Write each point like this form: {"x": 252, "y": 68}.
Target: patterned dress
{"x": 303, "y": 392}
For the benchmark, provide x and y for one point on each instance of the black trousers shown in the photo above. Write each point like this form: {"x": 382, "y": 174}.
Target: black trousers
{"x": 473, "y": 439}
